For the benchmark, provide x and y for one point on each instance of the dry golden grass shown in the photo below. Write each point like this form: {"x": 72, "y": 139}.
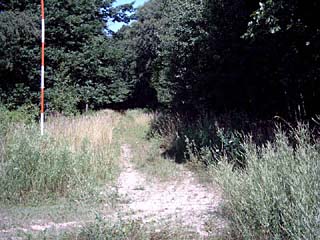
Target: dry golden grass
{"x": 90, "y": 134}
{"x": 97, "y": 129}
{"x": 143, "y": 119}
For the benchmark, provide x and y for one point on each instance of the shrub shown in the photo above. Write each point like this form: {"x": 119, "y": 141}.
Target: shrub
{"x": 62, "y": 98}
{"x": 278, "y": 195}
{"x": 204, "y": 138}
{"x": 8, "y": 119}
{"x": 24, "y": 114}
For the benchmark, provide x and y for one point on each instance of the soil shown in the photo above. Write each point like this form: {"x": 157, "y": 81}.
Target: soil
{"x": 184, "y": 201}
{"x": 178, "y": 202}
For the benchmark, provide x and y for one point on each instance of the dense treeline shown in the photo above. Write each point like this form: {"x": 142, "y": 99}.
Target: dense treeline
{"x": 257, "y": 57}
{"x": 251, "y": 56}
{"x": 83, "y": 66}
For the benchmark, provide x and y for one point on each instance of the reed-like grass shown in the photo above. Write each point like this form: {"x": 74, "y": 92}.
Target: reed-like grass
{"x": 120, "y": 229}
{"x": 97, "y": 128}
{"x": 277, "y": 196}
{"x": 146, "y": 152}
{"x": 74, "y": 154}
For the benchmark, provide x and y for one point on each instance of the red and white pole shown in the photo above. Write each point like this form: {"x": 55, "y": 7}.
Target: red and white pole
{"x": 42, "y": 67}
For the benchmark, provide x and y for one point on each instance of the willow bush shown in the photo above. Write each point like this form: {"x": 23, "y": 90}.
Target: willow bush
{"x": 277, "y": 196}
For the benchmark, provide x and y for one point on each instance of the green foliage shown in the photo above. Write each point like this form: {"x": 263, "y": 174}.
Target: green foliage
{"x": 122, "y": 229}
{"x": 25, "y": 114}
{"x": 254, "y": 56}
{"x": 20, "y": 95}
{"x": 78, "y": 51}
{"x": 18, "y": 40}
{"x": 63, "y": 97}
{"x": 105, "y": 230}
{"x": 277, "y": 196}
{"x": 205, "y": 138}
{"x": 226, "y": 55}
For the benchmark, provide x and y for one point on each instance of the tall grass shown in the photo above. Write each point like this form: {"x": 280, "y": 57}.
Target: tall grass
{"x": 22, "y": 115}
{"x": 207, "y": 137}
{"x": 146, "y": 152}
{"x": 104, "y": 230}
{"x": 277, "y": 196}
{"x": 134, "y": 230}
{"x": 96, "y": 127}
{"x": 271, "y": 181}
{"x": 120, "y": 229}
{"x": 73, "y": 155}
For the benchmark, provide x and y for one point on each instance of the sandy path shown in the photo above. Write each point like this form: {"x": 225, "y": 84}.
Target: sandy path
{"x": 186, "y": 201}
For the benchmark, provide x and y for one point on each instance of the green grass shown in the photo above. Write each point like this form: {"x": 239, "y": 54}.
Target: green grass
{"x": 277, "y": 196}
{"x": 109, "y": 229}
{"x": 64, "y": 175}
{"x": 74, "y": 158}
{"x": 270, "y": 180}
{"x": 133, "y": 129}
{"x": 148, "y": 158}
{"x": 24, "y": 114}
{"x": 204, "y": 138}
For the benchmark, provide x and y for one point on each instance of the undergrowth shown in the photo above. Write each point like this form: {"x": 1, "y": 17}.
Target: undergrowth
{"x": 147, "y": 152}
{"x": 207, "y": 137}
{"x": 103, "y": 229}
{"x": 277, "y": 196}
{"x": 66, "y": 162}
{"x": 109, "y": 229}
{"x": 270, "y": 178}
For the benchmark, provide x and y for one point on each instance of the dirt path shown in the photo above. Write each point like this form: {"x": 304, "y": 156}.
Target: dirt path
{"x": 184, "y": 201}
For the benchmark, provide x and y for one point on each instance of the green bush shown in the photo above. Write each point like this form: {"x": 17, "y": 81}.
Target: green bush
{"x": 63, "y": 98}
{"x": 278, "y": 195}
{"x": 35, "y": 167}
{"x": 24, "y": 114}
{"x": 204, "y": 138}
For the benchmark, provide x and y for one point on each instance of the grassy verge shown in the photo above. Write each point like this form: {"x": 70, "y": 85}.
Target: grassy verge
{"x": 133, "y": 129}
{"x": 270, "y": 180}
{"x": 73, "y": 158}
{"x": 62, "y": 176}
{"x": 107, "y": 229}
{"x": 273, "y": 194}
{"x": 277, "y": 196}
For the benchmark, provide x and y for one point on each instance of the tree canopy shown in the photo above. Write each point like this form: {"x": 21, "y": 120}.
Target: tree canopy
{"x": 260, "y": 57}
{"x": 82, "y": 63}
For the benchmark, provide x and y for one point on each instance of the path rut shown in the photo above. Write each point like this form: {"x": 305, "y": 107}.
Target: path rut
{"x": 184, "y": 201}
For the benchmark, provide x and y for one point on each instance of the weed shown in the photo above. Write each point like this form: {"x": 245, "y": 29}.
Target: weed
{"x": 104, "y": 229}
{"x": 278, "y": 195}
{"x": 133, "y": 129}
{"x": 204, "y": 138}
{"x": 71, "y": 159}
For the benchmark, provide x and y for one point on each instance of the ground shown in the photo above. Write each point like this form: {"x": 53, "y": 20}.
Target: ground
{"x": 183, "y": 201}
{"x": 163, "y": 196}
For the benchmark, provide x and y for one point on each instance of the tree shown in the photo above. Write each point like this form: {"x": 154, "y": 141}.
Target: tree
{"x": 293, "y": 28}
{"x": 18, "y": 38}
{"x": 77, "y": 47}
{"x": 261, "y": 57}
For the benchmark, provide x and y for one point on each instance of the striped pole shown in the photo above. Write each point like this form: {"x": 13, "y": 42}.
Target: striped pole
{"x": 42, "y": 68}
